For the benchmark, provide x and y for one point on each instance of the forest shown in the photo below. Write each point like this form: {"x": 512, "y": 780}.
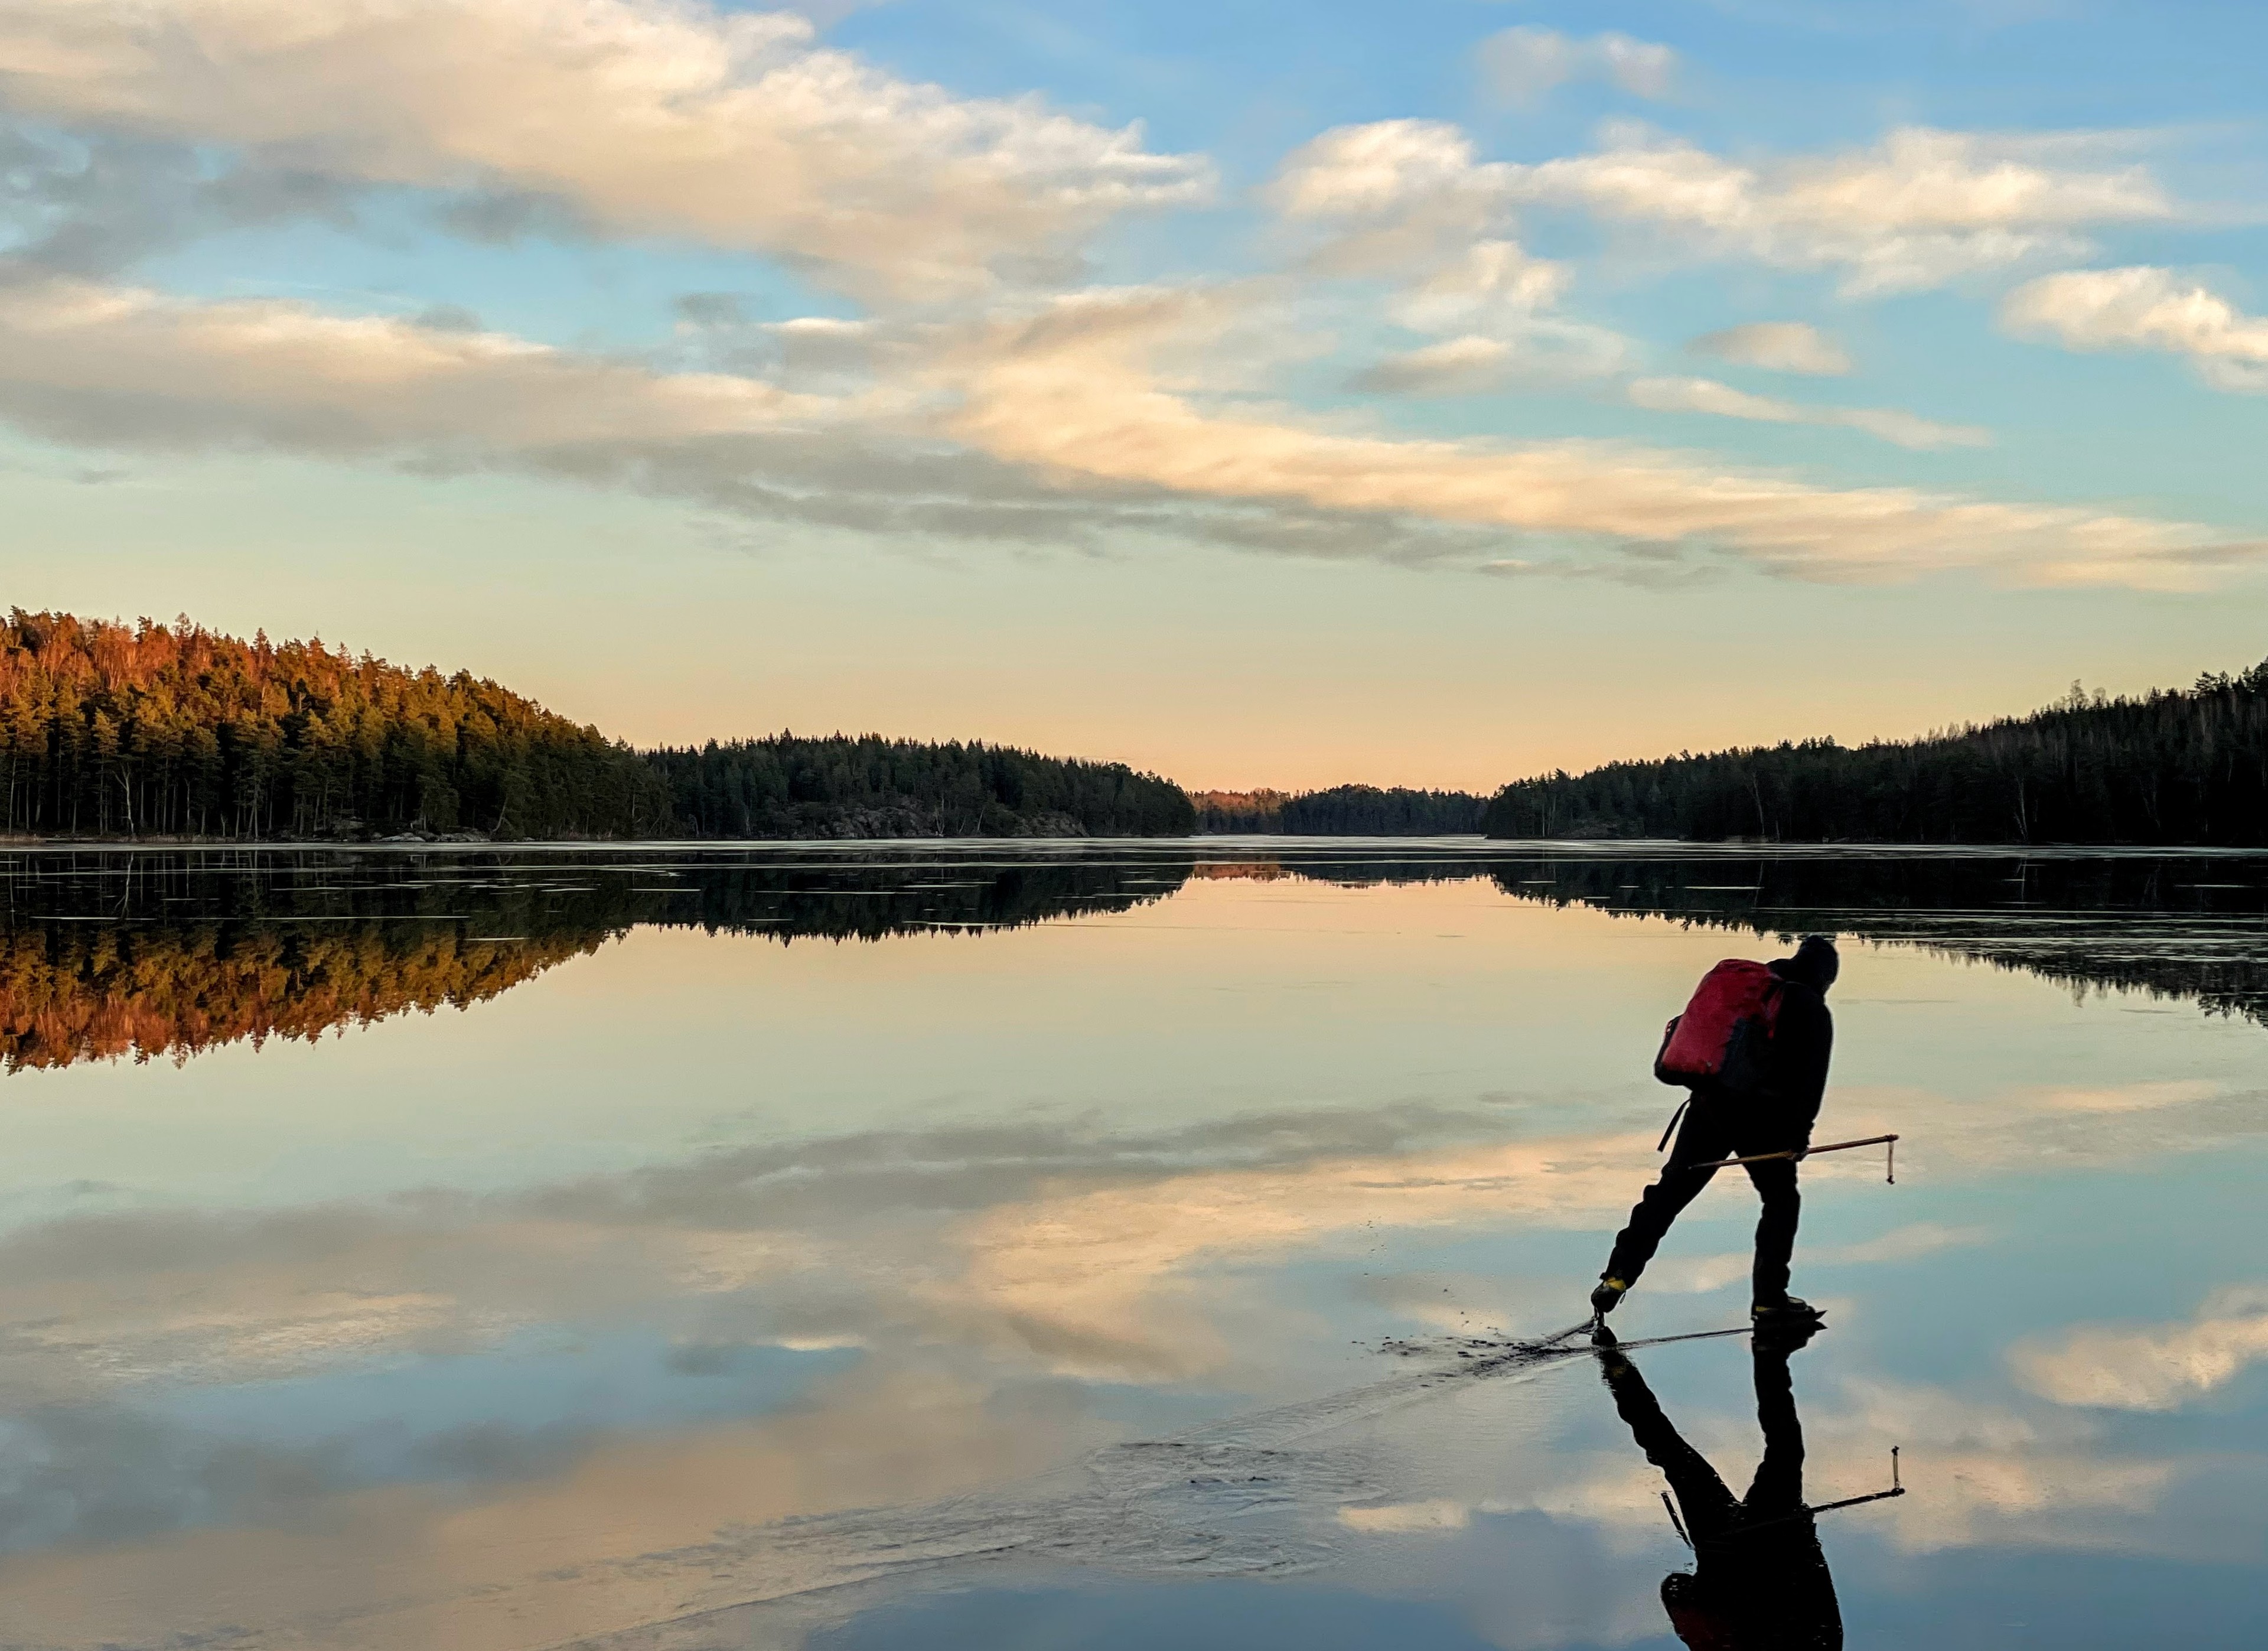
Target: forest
{"x": 2173, "y": 766}
{"x": 1341, "y": 811}
{"x": 156, "y": 730}
{"x": 172, "y": 732}
{"x": 175, "y": 732}
{"x": 872, "y": 787}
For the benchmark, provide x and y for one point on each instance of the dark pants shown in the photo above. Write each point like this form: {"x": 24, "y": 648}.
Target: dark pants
{"x": 1720, "y": 1126}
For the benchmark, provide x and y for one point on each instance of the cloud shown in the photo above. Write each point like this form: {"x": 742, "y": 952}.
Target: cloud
{"x": 1777, "y": 347}
{"x": 96, "y": 363}
{"x": 1376, "y": 171}
{"x": 1400, "y": 200}
{"x": 123, "y": 368}
{"x": 1111, "y": 410}
{"x": 1915, "y": 211}
{"x": 1707, "y": 395}
{"x": 1522, "y": 65}
{"x": 2158, "y": 1368}
{"x": 1494, "y": 301}
{"x": 1455, "y": 366}
{"x": 2145, "y": 308}
{"x": 673, "y": 118}
{"x": 93, "y": 203}
{"x": 1070, "y": 391}
{"x": 1393, "y": 198}
{"x": 1493, "y": 282}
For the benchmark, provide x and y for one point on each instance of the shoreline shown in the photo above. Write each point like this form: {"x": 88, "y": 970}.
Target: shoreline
{"x": 1519, "y": 848}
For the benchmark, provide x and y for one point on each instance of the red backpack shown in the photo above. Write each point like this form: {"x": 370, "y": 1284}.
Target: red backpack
{"x": 1724, "y": 1035}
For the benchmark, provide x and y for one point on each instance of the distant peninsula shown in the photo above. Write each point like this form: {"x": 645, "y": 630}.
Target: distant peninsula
{"x": 1342, "y": 811}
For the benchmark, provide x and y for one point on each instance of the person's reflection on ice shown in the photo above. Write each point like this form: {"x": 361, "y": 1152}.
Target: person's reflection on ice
{"x": 1760, "y": 1581}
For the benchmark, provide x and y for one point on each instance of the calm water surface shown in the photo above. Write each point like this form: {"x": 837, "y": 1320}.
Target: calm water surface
{"x": 865, "y": 1247}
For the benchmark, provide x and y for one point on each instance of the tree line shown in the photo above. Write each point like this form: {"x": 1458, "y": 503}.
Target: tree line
{"x": 1342, "y": 811}
{"x": 107, "y": 730}
{"x": 176, "y": 732}
{"x": 787, "y": 786}
{"x": 2173, "y": 766}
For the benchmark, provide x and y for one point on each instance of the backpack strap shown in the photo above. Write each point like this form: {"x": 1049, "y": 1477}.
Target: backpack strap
{"x": 1670, "y": 1128}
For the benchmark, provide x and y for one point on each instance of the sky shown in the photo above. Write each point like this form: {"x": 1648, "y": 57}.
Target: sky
{"x": 1262, "y": 394}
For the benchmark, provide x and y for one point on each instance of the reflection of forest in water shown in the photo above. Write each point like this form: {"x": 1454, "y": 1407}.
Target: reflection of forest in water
{"x": 2193, "y": 928}
{"x": 2180, "y": 926}
{"x": 107, "y": 956}
{"x": 111, "y": 954}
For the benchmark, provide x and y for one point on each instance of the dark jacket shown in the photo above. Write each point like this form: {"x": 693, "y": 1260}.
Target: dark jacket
{"x": 1802, "y": 1043}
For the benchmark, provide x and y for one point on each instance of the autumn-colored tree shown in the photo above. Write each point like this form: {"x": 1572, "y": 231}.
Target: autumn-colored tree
{"x": 1342, "y": 811}
{"x": 173, "y": 731}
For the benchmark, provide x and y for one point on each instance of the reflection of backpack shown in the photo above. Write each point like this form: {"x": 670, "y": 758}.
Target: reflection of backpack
{"x": 1724, "y": 1034}
{"x": 1694, "y": 1616}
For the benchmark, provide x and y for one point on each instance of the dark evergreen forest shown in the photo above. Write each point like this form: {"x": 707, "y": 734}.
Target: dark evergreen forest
{"x": 1342, "y": 811}
{"x": 2175, "y": 766}
{"x": 874, "y": 787}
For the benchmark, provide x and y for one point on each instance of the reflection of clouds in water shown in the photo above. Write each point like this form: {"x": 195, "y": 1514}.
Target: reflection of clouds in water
{"x": 1991, "y": 1473}
{"x": 1979, "y": 1474}
{"x": 987, "y": 1259}
{"x": 1104, "y": 1267}
{"x": 2022, "y": 1127}
{"x": 2133, "y": 1097}
{"x": 637, "y": 1532}
{"x": 1902, "y": 1243}
{"x": 2154, "y": 1368}
{"x": 889, "y": 1482}
{"x": 1402, "y": 1517}
{"x": 826, "y": 1243}
{"x": 1095, "y": 1254}
{"x": 105, "y": 1473}
{"x": 2025, "y": 1499}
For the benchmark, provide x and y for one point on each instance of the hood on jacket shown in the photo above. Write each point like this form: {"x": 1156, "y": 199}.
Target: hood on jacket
{"x": 1815, "y": 963}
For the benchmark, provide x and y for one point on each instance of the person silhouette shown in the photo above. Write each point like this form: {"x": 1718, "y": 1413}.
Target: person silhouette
{"x": 1773, "y": 1112}
{"x": 1760, "y": 1581}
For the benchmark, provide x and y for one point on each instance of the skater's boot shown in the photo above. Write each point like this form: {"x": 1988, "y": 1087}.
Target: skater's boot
{"x": 1608, "y": 1297}
{"x": 1786, "y": 1317}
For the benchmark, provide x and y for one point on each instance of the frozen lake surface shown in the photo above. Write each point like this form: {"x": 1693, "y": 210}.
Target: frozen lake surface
{"x": 872, "y": 1247}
